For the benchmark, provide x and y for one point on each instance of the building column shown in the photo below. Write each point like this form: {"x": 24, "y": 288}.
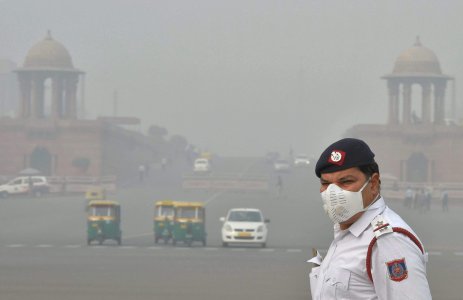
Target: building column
{"x": 34, "y": 97}
{"x": 25, "y": 89}
{"x": 407, "y": 103}
{"x": 426, "y": 102}
{"x": 439, "y": 103}
{"x": 71, "y": 97}
{"x": 40, "y": 100}
{"x": 393, "y": 102}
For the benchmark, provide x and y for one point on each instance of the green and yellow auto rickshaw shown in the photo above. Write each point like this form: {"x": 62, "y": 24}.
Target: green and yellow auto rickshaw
{"x": 103, "y": 221}
{"x": 189, "y": 223}
{"x": 163, "y": 220}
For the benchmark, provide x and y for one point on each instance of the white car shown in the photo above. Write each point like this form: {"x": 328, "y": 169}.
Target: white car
{"x": 244, "y": 225}
{"x": 202, "y": 165}
{"x": 21, "y": 185}
{"x": 301, "y": 160}
{"x": 281, "y": 165}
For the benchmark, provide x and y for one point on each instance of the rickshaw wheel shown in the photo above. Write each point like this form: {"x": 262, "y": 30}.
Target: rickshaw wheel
{"x": 264, "y": 245}
{"x": 224, "y": 244}
{"x": 166, "y": 240}
{"x": 174, "y": 242}
{"x": 204, "y": 242}
{"x": 119, "y": 241}
{"x": 100, "y": 241}
{"x": 156, "y": 239}
{"x": 89, "y": 241}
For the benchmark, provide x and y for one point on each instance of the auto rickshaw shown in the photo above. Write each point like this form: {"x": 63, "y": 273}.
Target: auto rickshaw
{"x": 189, "y": 223}
{"x": 163, "y": 220}
{"x": 95, "y": 193}
{"x": 103, "y": 221}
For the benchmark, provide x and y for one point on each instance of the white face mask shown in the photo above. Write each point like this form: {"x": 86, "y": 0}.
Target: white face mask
{"x": 340, "y": 205}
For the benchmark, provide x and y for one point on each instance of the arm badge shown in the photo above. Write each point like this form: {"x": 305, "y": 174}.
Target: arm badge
{"x": 397, "y": 269}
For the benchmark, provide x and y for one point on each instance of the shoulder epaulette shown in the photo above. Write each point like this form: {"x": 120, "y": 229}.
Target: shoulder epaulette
{"x": 381, "y": 227}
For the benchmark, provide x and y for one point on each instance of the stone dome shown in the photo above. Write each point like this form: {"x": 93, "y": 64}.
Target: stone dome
{"x": 417, "y": 60}
{"x": 48, "y": 54}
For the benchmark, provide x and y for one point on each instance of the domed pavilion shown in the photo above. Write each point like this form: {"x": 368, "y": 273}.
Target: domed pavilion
{"x": 416, "y": 146}
{"x": 417, "y": 65}
{"x": 48, "y": 60}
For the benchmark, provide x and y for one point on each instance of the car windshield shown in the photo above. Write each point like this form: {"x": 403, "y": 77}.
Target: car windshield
{"x": 245, "y": 216}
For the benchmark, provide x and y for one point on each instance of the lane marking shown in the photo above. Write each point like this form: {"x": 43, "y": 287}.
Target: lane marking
{"x": 43, "y": 246}
{"x": 267, "y": 250}
{"x": 294, "y": 250}
{"x": 72, "y": 246}
{"x": 138, "y": 235}
{"x": 15, "y": 245}
{"x": 155, "y": 248}
{"x": 238, "y": 249}
{"x": 211, "y": 249}
{"x": 127, "y": 247}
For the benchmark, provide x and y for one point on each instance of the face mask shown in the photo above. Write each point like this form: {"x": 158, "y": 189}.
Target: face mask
{"x": 340, "y": 205}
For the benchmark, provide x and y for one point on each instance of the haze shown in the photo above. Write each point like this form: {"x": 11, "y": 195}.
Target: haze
{"x": 239, "y": 77}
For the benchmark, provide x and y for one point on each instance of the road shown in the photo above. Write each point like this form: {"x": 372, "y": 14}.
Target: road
{"x": 43, "y": 251}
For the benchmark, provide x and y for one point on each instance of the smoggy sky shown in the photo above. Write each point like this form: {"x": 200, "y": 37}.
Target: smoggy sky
{"x": 239, "y": 77}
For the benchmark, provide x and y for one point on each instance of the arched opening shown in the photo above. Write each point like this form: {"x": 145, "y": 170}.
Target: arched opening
{"x": 41, "y": 160}
{"x": 417, "y": 168}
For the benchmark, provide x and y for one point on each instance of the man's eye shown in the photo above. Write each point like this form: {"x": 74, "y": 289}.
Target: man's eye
{"x": 347, "y": 182}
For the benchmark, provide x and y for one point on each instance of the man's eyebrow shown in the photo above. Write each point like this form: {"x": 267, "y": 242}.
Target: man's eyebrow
{"x": 347, "y": 177}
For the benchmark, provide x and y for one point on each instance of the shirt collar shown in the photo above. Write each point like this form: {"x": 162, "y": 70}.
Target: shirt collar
{"x": 367, "y": 217}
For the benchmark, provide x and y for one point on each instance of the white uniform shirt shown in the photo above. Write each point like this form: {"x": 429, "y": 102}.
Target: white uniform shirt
{"x": 343, "y": 274}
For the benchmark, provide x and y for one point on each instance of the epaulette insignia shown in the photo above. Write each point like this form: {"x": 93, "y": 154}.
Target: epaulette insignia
{"x": 380, "y": 226}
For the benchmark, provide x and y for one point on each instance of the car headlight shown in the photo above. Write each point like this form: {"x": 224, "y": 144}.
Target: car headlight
{"x": 227, "y": 227}
{"x": 260, "y": 228}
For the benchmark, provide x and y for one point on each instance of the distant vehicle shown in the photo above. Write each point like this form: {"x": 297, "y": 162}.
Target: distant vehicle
{"x": 244, "y": 225}
{"x": 202, "y": 165}
{"x": 21, "y": 185}
{"x": 282, "y": 165}
{"x": 301, "y": 160}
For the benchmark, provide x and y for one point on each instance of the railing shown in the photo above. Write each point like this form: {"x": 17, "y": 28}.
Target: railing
{"x": 78, "y": 184}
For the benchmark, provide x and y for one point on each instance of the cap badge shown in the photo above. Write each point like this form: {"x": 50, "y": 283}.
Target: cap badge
{"x": 337, "y": 157}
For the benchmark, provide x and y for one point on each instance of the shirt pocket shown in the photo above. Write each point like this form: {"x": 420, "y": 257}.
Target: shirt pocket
{"x": 337, "y": 282}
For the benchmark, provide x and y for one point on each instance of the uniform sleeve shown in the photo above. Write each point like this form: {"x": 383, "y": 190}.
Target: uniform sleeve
{"x": 399, "y": 269}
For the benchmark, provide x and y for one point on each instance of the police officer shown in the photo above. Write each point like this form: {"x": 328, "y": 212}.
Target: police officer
{"x": 374, "y": 254}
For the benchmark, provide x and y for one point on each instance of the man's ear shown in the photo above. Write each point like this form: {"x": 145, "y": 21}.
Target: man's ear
{"x": 376, "y": 182}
